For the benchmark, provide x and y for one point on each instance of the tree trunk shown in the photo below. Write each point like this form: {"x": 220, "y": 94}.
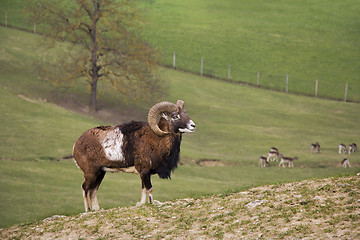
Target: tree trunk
{"x": 93, "y": 96}
{"x": 94, "y": 73}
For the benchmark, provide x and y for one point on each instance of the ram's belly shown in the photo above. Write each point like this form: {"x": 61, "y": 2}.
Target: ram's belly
{"x": 121, "y": 170}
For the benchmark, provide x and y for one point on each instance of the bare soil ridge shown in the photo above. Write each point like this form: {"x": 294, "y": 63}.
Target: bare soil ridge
{"x": 313, "y": 209}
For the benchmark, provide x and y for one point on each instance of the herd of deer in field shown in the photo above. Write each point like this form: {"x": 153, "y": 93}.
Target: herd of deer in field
{"x": 275, "y": 155}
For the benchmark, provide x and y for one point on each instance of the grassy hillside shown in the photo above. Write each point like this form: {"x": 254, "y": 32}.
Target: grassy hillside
{"x": 308, "y": 40}
{"x": 33, "y": 129}
{"x": 317, "y": 209}
{"x": 235, "y": 124}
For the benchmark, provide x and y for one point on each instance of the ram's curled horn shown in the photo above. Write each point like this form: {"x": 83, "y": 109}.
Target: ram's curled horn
{"x": 155, "y": 112}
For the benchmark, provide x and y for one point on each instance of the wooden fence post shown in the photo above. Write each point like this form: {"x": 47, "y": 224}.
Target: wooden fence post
{"x": 229, "y": 77}
{"x": 287, "y": 83}
{"x": 346, "y": 89}
{"x": 316, "y": 87}
{"x": 258, "y": 79}
{"x": 34, "y": 27}
{"x": 202, "y": 65}
{"x": 174, "y": 58}
{"x": 6, "y": 18}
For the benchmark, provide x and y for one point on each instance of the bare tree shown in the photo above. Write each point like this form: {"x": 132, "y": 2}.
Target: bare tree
{"x": 105, "y": 44}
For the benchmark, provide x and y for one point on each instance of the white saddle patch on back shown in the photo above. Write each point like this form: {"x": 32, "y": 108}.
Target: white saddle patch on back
{"x": 112, "y": 145}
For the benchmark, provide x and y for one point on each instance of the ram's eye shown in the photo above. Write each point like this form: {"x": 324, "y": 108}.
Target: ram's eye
{"x": 176, "y": 117}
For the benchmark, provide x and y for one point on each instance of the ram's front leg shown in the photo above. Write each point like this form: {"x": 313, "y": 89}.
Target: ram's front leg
{"x": 146, "y": 194}
{"x": 146, "y": 191}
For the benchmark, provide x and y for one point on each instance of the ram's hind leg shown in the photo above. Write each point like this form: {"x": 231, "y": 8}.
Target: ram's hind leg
{"x": 86, "y": 199}
{"x": 90, "y": 188}
{"x": 93, "y": 193}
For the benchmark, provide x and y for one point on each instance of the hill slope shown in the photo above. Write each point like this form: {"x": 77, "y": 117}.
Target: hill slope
{"x": 315, "y": 209}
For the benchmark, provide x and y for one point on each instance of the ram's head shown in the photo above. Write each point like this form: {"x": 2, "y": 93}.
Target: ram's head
{"x": 174, "y": 113}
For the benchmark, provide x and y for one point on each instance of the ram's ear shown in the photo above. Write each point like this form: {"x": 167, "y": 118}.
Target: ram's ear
{"x": 180, "y": 103}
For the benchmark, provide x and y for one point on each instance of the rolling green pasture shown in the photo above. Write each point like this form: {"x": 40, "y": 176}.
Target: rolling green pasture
{"x": 235, "y": 124}
{"x": 308, "y": 40}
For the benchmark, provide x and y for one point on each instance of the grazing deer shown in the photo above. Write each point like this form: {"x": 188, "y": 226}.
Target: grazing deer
{"x": 315, "y": 147}
{"x": 352, "y": 148}
{"x": 274, "y": 149}
{"x": 263, "y": 162}
{"x": 288, "y": 161}
{"x": 273, "y": 154}
{"x": 342, "y": 148}
{"x": 345, "y": 163}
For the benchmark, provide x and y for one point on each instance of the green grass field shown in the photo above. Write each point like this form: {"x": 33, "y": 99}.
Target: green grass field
{"x": 235, "y": 124}
{"x": 309, "y": 40}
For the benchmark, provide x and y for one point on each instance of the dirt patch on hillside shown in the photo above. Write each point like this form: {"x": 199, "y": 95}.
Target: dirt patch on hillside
{"x": 206, "y": 162}
{"x": 209, "y": 162}
{"x": 313, "y": 209}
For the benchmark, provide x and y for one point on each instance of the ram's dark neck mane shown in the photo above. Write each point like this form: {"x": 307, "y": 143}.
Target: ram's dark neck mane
{"x": 171, "y": 162}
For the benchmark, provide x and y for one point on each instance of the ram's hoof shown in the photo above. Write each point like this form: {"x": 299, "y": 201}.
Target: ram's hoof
{"x": 158, "y": 202}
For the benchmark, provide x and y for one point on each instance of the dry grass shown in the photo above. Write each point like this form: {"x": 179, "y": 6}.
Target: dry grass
{"x": 312, "y": 209}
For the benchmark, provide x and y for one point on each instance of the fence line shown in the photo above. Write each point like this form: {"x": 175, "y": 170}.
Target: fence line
{"x": 272, "y": 81}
